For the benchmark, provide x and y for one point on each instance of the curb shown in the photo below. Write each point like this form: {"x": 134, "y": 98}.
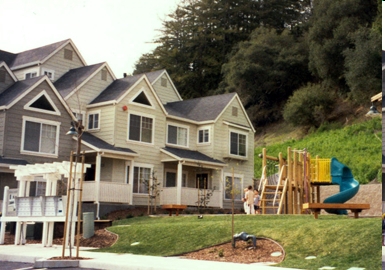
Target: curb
{"x": 43, "y": 263}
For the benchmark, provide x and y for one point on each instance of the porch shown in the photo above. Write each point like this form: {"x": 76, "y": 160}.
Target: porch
{"x": 101, "y": 191}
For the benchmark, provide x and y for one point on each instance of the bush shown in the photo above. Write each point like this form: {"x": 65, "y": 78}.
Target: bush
{"x": 309, "y": 106}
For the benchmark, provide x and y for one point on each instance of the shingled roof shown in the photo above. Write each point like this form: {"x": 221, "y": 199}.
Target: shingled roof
{"x": 200, "y": 109}
{"x": 74, "y": 77}
{"x": 102, "y": 145}
{"x": 192, "y": 155}
{"x": 33, "y": 56}
{"x": 153, "y": 75}
{"x": 116, "y": 89}
{"x": 17, "y": 89}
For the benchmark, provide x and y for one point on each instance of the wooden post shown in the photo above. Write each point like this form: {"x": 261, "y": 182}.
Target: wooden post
{"x": 68, "y": 206}
{"x": 290, "y": 181}
{"x": 264, "y": 164}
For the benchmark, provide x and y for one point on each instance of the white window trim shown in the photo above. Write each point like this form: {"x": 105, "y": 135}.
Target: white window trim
{"x": 178, "y": 126}
{"x": 152, "y": 132}
{"x": 50, "y": 71}
{"x": 139, "y": 104}
{"x": 204, "y": 128}
{"x": 41, "y": 121}
{"x": 141, "y": 165}
{"x": 82, "y": 113}
{"x": 176, "y": 172}
{"x": 30, "y": 72}
{"x": 247, "y": 143}
{"x": 241, "y": 176}
{"x": 42, "y": 93}
{"x": 87, "y": 119}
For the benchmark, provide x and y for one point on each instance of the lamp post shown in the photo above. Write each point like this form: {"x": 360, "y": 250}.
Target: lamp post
{"x": 76, "y": 129}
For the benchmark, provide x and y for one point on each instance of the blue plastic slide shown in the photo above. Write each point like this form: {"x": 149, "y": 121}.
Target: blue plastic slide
{"x": 342, "y": 176}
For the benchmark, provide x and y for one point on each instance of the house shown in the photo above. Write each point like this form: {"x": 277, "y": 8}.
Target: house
{"x": 137, "y": 129}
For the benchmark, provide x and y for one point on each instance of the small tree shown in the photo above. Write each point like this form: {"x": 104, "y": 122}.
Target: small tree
{"x": 152, "y": 185}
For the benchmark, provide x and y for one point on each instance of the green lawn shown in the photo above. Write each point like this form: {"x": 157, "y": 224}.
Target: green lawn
{"x": 336, "y": 241}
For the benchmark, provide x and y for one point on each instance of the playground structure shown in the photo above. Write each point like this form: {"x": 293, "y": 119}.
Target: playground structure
{"x": 292, "y": 185}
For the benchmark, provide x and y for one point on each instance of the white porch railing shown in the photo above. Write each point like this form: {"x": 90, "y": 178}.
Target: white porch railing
{"x": 108, "y": 192}
{"x": 189, "y": 197}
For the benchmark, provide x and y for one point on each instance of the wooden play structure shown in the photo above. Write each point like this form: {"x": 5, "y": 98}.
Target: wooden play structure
{"x": 292, "y": 185}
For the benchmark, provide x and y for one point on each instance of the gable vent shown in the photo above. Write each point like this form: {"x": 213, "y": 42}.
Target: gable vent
{"x": 163, "y": 82}
{"x": 42, "y": 103}
{"x": 142, "y": 99}
{"x": 68, "y": 54}
{"x": 234, "y": 111}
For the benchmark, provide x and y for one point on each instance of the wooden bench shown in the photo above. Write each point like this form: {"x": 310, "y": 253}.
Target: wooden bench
{"x": 354, "y": 207}
{"x": 172, "y": 207}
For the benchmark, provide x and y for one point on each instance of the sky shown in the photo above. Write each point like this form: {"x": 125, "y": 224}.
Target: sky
{"x": 114, "y": 31}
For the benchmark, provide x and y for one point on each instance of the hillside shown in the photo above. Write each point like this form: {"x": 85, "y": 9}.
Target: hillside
{"x": 357, "y": 144}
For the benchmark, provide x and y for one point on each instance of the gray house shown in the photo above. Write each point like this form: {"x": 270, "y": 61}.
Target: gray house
{"x": 137, "y": 130}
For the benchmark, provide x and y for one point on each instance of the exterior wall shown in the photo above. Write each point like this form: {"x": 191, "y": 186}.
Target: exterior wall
{"x": 107, "y": 127}
{"x": 79, "y": 100}
{"x": 8, "y": 80}
{"x": 192, "y": 134}
{"x": 166, "y": 94}
{"x": 206, "y": 148}
{"x": 6, "y": 179}
{"x": 2, "y": 131}
{"x": 14, "y": 126}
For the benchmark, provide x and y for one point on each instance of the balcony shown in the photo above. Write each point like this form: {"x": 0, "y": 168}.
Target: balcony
{"x": 108, "y": 192}
{"x": 190, "y": 196}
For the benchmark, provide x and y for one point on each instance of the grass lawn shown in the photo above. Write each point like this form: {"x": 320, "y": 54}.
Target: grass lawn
{"x": 336, "y": 241}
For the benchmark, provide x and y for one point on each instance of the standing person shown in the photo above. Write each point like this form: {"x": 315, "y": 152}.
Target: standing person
{"x": 245, "y": 207}
{"x": 256, "y": 201}
{"x": 250, "y": 200}
{"x": 383, "y": 229}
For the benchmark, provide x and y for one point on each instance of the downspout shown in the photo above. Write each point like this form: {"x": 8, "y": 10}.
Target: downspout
{"x": 97, "y": 183}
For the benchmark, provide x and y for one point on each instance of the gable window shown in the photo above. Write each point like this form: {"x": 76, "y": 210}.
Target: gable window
{"x": 238, "y": 144}
{"x": 68, "y": 54}
{"x": 142, "y": 99}
{"x": 40, "y": 136}
{"x": 30, "y": 75}
{"x": 93, "y": 120}
{"x": 235, "y": 188}
{"x": 50, "y": 74}
{"x": 42, "y": 103}
{"x": 177, "y": 135}
{"x": 142, "y": 177}
{"x": 140, "y": 128}
{"x": 204, "y": 135}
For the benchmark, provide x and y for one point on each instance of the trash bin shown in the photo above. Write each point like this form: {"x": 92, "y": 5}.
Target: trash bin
{"x": 88, "y": 225}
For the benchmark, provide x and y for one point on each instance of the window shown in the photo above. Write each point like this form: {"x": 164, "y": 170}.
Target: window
{"x": 141, "y": 176}
{"x": 142, "y": 99}
{"x": 68, "y": 54}
{"x": 40, "y": 136}
{"x": 235, "y": 189}
{"x": 93, "y": 121}
{"x": 237, "y": 144}
{"x": 50, "y": 74}
{"x": 177, "y": 135}
{"x": 140, "y": 128}
{"x": 171, "y": 179}
{"x": 204, "y": 135}
{"x": 30, "y": 75}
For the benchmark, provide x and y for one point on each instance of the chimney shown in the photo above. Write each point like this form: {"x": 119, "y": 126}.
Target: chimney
{"x": 124, "y": 75}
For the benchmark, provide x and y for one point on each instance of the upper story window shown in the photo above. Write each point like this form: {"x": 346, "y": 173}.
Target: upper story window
{"x": 30, "y": 75}
{"x": 238, "y": 144}
{"x": 40, "y": 136}
{"x": 140, "y": 128}
{"x": 50, "y": 74}
{"x": 93, "y": 120}
{"x": 68, "y": 54}
{"x": 204, "y": 135}
{"x": 177, "y": 135}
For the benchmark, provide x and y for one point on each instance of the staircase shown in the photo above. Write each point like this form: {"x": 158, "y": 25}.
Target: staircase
{"x": 273, "y": 193}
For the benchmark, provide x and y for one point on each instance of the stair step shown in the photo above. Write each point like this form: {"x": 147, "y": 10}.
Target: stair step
{"x": 273, "y": 187}
{"x": 272, "y": 192}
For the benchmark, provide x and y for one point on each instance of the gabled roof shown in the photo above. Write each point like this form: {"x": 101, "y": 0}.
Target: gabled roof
{"x": 35, "y": 56}
{"x": 4, "y": 64}
{"x": 76, "y": 77}
{"x": 192, "y": 156}
{"x": 117, "y": 89}
{"x": 200, "y": 109}
{"x": 12, "y": 161}
{"x": 153, "y": 76}
{"x": 100, "y": 145}
{"x": 17, "y": 90}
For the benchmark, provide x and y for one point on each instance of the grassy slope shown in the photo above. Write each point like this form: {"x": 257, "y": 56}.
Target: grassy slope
{"x": 358, "y": 146}
{"x": 335, "y": 240}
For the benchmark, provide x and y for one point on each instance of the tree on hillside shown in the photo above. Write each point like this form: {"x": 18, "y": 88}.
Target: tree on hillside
{"x": 265, "y": 71}
{"x": 197, "y": 38}
{"x": 332, "y": 26}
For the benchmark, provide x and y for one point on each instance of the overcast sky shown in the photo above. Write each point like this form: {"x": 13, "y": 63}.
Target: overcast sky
{"x": 114, "y": 31}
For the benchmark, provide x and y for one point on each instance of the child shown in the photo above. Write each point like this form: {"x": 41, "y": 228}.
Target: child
{"x": 256, "y": 201}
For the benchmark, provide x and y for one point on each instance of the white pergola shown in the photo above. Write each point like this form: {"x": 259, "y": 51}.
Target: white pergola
{"x": 47, "y": 209}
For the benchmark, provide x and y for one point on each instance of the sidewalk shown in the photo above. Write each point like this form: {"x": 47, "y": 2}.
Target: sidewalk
{"x": 33, "y": 252}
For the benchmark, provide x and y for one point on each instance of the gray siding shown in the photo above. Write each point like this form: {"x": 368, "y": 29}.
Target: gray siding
{"x": 166, "y": 94}
{"x": 14, "y": 125}
{"x": 2, "y": 130}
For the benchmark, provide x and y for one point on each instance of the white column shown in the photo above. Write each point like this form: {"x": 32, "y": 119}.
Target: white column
{"x": 221, "y": 188}
{"x": 179, "y": 183}
{"x": 131, "y": 177}
{"x": 98, "y": 167}
{"x": 45, "y": 234}
{"x": 4, "y": 211}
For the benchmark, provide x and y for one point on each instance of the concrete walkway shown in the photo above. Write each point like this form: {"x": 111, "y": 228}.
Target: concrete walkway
{"x": 36, "y": 253}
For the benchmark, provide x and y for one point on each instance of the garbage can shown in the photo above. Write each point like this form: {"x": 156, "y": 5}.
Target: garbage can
{"x": 88, "y": 225}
